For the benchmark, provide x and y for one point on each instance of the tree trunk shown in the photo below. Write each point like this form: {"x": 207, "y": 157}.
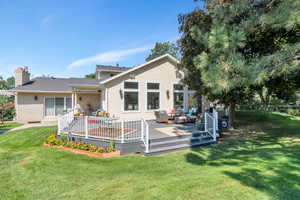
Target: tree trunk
{"x": 231, "y": 115}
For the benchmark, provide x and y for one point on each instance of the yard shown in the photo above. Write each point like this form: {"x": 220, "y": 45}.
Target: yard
{"x": 260, "y": 160}
{"x": 9, "y": 125}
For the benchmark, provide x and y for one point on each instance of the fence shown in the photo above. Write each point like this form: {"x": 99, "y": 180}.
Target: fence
{"x": 104, "y": 128}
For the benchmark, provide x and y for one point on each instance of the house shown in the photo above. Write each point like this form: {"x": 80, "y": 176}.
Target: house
{"x": 130, "y": 93}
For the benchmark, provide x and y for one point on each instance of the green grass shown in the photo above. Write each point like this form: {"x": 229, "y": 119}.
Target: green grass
{"x": 267, "y": 167}
{"x": 9, "y": 125}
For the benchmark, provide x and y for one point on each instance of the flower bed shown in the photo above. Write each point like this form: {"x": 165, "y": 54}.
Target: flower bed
{"x": 86, "y": 149}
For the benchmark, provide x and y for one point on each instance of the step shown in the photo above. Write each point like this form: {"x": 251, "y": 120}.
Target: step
{"x": 169, "y": 138}
{"x": 176, "y": 148}
{"x": 189, "y": 141}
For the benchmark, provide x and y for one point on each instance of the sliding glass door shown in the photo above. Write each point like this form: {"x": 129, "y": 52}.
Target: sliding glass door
{"x": 50, "y": 106}
{"x": 57, "y": 105}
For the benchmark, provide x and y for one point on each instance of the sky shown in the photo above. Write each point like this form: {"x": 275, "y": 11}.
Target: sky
{"x": 67, "y": 38}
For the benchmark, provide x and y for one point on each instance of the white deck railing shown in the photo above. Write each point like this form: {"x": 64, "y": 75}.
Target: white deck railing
{"x": 104, "y": 128}
{"x": 211, "y": 124}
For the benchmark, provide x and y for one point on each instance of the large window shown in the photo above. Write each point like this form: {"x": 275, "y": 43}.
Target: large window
{"x": 57, "y": 105}
{"x": 152, "y": 96}
{"x": 131, "y": 96}
{"x": 178, "y": 96}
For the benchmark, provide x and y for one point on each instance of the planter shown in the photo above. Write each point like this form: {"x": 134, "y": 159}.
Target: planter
{"x": 88, "y": 153}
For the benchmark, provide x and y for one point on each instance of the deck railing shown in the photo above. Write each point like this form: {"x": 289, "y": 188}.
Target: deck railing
{"x": 211, "y": 124}
{"x": 104, "y": 128}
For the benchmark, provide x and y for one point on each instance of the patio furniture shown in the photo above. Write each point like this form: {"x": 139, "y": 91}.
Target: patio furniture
{"x": 180, "y": 119}
{"x": 161, "y": 116}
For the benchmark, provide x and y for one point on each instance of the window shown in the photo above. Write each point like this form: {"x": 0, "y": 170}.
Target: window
{"x": 131, "y": 96}
{"x": 57, "y": 105}
{"x": 153, "y": 96}
{"x": 178, "y": 96}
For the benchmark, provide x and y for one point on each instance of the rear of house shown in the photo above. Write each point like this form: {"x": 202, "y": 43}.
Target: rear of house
{"x": 130, "y": 93}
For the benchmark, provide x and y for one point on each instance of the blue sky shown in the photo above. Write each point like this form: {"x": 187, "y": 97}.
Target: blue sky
{"x": 67, "y": 38}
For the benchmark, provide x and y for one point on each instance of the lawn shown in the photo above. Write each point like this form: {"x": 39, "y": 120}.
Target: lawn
{"x": 266, "y": 165}
{"x": 9, "y": 125}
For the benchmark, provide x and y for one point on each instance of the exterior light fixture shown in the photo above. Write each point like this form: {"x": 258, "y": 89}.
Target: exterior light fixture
{"x": 168, "y": 94}
{"x": 121, "y": 93}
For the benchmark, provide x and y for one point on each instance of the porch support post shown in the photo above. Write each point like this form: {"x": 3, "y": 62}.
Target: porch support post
{"x": 73, "y": 103}
{"x": 75, "y": 99}
{"x": 104, "y": 99}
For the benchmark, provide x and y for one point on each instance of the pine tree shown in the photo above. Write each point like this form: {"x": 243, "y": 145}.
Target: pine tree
{"x": 236, "y": 51}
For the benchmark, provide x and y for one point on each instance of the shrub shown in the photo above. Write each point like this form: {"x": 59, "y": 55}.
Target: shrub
{"x": 293, "y": 112}
{"x": 112, "y": 144}
{"x": 52, "y": 140}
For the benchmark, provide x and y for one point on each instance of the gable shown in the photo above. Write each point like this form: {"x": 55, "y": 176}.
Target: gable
{"x": 164, "y": 58}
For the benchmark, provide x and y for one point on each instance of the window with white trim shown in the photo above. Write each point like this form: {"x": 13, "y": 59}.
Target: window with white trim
{"x": 57, "y": 105}
{"x": 131, "y": 96}
{"x": 178, "y": 96}
{"x": 153, "y": 96}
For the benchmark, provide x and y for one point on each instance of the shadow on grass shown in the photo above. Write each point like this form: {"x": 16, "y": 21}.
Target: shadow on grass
{"x": 269, "y": 163}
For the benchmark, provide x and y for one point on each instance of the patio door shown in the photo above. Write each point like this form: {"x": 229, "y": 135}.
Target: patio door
{"x": 57, "y": 105}
{"x": 50, "y": 107}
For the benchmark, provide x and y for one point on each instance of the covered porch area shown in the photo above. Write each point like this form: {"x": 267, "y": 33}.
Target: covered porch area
{"x": 87, "y": 100}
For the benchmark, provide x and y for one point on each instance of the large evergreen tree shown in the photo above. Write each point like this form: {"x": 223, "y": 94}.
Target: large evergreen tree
{"x": 237, "y": 52}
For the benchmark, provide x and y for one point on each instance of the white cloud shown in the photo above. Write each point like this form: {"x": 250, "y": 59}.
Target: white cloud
{"x": 48, "y": 19}
{"x": 110, "y": 56}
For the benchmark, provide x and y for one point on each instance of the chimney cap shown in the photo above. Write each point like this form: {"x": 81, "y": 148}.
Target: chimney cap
{"x": 23, "y": 69}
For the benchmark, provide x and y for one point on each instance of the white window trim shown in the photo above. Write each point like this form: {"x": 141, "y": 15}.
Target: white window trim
{"x": 131, "y": 90}
{"x": 146, "y": 95}
{"x": 183, "y": 91}
{"x": 54, "y": 97}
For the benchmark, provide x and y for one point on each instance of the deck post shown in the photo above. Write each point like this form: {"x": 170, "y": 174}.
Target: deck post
{"x": 58, "y": 125}
{"x": 122, "y": 131}
{"x": 147, "y": 138}
{"x": 142, "y": 129}
{"x": 86, "y": 127}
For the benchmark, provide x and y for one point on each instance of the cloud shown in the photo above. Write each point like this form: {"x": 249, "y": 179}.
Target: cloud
{"x": 46, "y": 20}
{"x": 110, "y": 56}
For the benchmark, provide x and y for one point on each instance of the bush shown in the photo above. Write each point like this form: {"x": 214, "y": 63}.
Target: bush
{"x": 294, "y": 112}
{"x": 7, "y": 111}
{"x": 52, "y": 140}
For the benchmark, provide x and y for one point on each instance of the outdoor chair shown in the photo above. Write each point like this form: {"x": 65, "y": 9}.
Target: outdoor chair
{"x": 161, "y": 117}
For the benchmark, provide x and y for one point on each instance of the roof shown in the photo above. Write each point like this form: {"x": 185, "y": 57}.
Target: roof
{"x": 111, "y": 68}
{"x": 56, "y": 85}
{"x": 166, "y": 56}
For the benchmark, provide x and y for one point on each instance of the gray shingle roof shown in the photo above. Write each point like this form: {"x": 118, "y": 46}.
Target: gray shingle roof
{"x": 111, "y": 68}
{"x": 56, "y": 84}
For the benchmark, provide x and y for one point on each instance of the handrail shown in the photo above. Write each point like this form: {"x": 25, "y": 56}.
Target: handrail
{"x": 208, "y": 117}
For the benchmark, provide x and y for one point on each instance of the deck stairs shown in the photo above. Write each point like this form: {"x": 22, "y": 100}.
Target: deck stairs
{"x": 175, "y": 143}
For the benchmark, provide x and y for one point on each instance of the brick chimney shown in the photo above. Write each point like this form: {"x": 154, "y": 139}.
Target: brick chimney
{"x": 22, "y": 76}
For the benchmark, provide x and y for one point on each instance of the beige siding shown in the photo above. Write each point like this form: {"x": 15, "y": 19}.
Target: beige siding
{"x": 30, "y": 110}
{"x": 162, "y": 71}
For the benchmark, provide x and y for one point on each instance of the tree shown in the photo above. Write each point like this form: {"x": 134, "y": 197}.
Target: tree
{"x": 92, "y": 76}
{"x": 231, "y": 60}
{"x": 162, "y": 48}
